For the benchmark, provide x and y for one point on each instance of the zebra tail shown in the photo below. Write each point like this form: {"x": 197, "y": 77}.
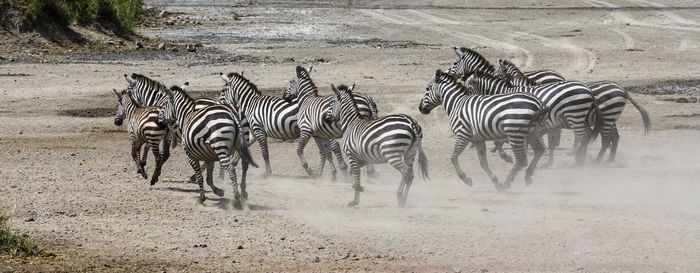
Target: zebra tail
{"x": 423, "y": 162}
{"x": 598, "y": 121}
{"x": 541, "y": 115}
{"x": 643, "y": 112}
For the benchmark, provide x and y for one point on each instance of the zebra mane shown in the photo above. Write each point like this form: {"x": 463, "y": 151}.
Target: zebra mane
{"x": 470, "y": 52}
{"x": 127, "y": 92}
{"x": 301, "y": 71}
{"x": 184, "y": 94}
{"x": 245, "y": 81}
{"x": 142, "y": 78}
{"x": 488, "y": 77}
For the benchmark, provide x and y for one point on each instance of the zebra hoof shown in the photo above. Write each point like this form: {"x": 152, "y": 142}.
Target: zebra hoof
{"x": 353, "y": 204}
{"x": 201, "y": 199}
{"x": 466, "y": 180}
{"x": 547, "y": 164}
{"x": 154, "y": 180}
{"x": 143, "y": 174}
{"x": 244, "y": 195}
{"x": 237, "y": 204}
{"x": 528, "y": 181}
{"x": 193, "y": 179}
{"x": 218, "y": 192}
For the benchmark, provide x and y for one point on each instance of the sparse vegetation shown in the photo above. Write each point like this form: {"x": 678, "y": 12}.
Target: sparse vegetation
{"x": 120, "y": 16}
{"x": 14, "y": 244}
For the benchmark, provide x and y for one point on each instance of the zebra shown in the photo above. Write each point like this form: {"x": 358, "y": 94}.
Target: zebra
{"x": 570, "y": 103}
{"x": 469, "y": 61}
{"x": 478, "y": 118}
{"x": 312, "y": 108}
{"x": 142, "y": 128}
{"x": 610, "y": 97}
{"x": 209, "y": 134}
{"x": 394, "y": 139}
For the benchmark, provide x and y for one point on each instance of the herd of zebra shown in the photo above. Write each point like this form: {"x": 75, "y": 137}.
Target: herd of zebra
{"x": 483, "y": 103}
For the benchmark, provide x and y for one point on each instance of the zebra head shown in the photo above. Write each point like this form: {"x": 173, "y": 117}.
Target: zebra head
{"x": 342, "y": 104}
{"x": 469, "y": 61}
{"x": 512, "y": 74}
{"x": 167, "y": 116}
{"x": 119, "y": 116}
{"x": 433, "y": 92}
{"x": 300, "y": 82}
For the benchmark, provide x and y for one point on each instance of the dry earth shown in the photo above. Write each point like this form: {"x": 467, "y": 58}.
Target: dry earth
{"x": 70, "y": 183}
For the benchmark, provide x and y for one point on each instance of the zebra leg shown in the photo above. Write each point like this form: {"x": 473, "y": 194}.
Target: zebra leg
{"x": 225, "y": 160}
{"x": 520, "y": 151}
{"x": 356, "y": 186}
{"x": 335, "y": 148}
{"x": 406, "y": 176}
{"x": 550, "y": 147}
{"x": 371, "y": 172}
{"x": 605, "y": 139}
{"x": 159, "y": 163}
{"x": 144, "y": 156}
{"x": 538, "y": 147}
{"x": 460, "y": 144}
{"x": 614, "y": 139}
{"x": 483, "y": 161}
{"x": 198, "y": 177}
{"x": 244, "y": 167}
{"x": 303, "y": 139}
{"x": 166, "y": 147}
{"x": 582, "y": 133}
{"x": 135, "y": 151}
{"x": 209, "y": 166}
{"x": 326, "y": 154}
{"x": 262, "y": 139}
{"x": 499, "y": 147}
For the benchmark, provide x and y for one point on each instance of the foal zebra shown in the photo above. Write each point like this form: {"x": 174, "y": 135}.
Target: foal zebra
{"x": 312, "y": 108}
{"x": 394, "y": 139}
{"x": 209, "y": 134}
{"x": 609, "y": 96}
{"x": 479, "y": 118}
{"x": 570, "y": 104}
{"x": 142, "y": 128}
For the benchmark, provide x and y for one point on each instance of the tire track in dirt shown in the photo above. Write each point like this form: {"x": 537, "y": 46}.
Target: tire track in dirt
{"x": 583, "y": 59}
{"x": 436, "y": 23}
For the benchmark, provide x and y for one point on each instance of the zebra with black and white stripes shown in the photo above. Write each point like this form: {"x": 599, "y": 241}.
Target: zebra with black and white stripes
{"x": 570, "y": 103}
{"x": 312, "y": 108}
{"x": 209, "y": 134}
{"x": 394, "y": 139}
{"x": 143, "y": 129}
{"x": 478, "y": 118}
{"x": 609, "y": 96}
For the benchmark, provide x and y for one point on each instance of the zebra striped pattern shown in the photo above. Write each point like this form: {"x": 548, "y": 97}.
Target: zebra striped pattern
{"x": 209, "y": 134}
{"x": 570, "y": 104}
{"x": 480, "y": 118}
{"x": 143, "y": 128}
{"x": 394, "y": 139}
{"x": 268, "y": 116}
{"x": 609, "y": 96}
{"x": 312, "y": 108}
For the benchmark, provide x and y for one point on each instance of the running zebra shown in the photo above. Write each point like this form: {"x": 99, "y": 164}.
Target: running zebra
{"x": 312, "y": 108}
{"x": 570, "y": 103}
{"x": 609, "y": 96}
{"x": 479, "y": 118}
{"x": 143, "y": 128}
{"x": 395, "y": 139}
{"x": 469, "y": 61}
{"x": 209, "y": 134}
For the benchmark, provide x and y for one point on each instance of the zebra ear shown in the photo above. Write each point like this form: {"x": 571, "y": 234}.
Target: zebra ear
{"x": 335, "y": 90}
{"x": 458, "y": 51}
{"x": 310, "y": 68}
{"x": 223, "y": 77}
{"x": 185, "y": 86}
{"x": 300, "y": 72}
{"x": 438, "y": 74}
{"x": 116, "y": 93}
{"x": 169, "y": 92}
{"x": 129, "y": 79}
{"x": 352, "y": 87}
{"x": 242, "y": 71}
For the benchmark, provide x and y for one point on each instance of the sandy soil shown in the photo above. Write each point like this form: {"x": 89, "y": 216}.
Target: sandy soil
{"x": 70, "y": 183}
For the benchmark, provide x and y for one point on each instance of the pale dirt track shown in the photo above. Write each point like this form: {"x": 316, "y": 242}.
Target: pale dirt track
{"x": 75, "y": 178}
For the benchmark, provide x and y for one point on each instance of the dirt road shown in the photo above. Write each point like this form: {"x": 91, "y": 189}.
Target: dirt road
{"x": 70, "y": 182}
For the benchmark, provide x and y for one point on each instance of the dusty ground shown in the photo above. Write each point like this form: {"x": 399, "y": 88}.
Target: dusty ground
{"x": 70, "y": 183}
